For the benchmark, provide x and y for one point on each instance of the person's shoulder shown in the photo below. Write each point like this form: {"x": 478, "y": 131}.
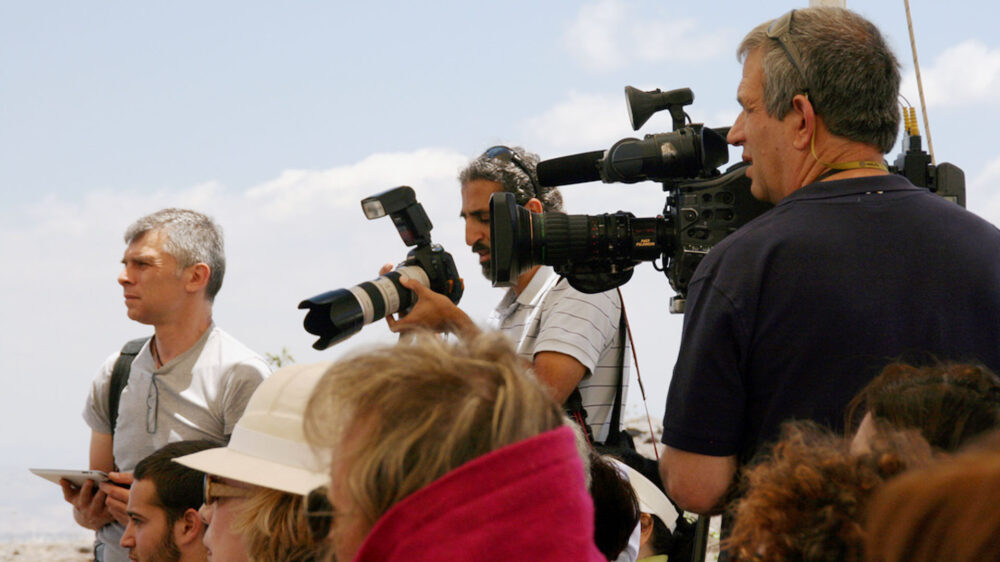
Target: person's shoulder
{"x": 564, "y": 292}
{"x": 110, "y": 360}
{"x": 762, "y": 231}
{"x": 218, "y": 336}
{"x": 947, "y": 208}
{"x": 232, "y": 352}
{"x": 108, "y": 365}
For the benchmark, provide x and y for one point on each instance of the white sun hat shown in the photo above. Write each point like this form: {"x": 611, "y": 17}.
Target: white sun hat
{"x": 652, "y": 500}
{"x": 268, "y": 447}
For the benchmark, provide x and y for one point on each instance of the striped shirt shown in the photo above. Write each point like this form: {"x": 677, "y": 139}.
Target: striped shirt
{"x": 549, "y": 315}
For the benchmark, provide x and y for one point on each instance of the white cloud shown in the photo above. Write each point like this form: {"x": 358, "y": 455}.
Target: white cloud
{"x": 289, "y": 238}
{"x": 966, "y": 73}
{"x": 592, "y": 36}
{"x": 61, "y": 301}
{"x": 580, "y": 122}
{"x": 610, "y": 34}
{"x": 984, "y": 186}
{"x": 676, "y": 40}
{"x": 298, "y": 192}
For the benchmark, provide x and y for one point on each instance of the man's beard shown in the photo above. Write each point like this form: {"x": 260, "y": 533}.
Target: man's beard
{"x": 487, "y": 270}
{"x": 168, "y": 551}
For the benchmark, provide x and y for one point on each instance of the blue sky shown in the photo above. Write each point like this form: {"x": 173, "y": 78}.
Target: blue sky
{"x": 278, "y": 118}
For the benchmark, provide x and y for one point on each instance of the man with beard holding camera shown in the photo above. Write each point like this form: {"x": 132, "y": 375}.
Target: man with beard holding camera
{"x": 854, "y": 267}
{"x": 572, "y": 339}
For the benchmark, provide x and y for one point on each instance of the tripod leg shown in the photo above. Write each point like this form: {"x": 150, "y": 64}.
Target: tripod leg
{"x": 700, "y": 547}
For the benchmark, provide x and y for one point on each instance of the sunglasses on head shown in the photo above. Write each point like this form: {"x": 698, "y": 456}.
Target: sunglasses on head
{"x": 319, "y": 513}
{"x": 215, "y": 490}
{"x": 780, "y": 30}
{"x": 507, "y": 154}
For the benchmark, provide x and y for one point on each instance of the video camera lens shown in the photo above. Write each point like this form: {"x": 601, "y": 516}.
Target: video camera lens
{"x": 599, "y": 249}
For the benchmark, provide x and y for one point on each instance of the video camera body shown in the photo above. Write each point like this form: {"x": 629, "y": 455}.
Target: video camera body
{"x": 599, "y": 252}
{"x": 337, "y": 315}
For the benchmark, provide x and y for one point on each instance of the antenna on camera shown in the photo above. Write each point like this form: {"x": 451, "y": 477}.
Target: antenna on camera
{"x": 642, "y": 105}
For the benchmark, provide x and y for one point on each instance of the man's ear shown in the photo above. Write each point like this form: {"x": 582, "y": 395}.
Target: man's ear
{"x": 806, "y": 121}
{"x": 645, "y": 527}
{"x": 197, "y": 276}
{"x": 189, "y": 528}
{"x": 534, "y": 205}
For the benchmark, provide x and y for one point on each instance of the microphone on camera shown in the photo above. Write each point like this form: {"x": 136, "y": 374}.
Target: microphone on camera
{"x": 565, "y": 170}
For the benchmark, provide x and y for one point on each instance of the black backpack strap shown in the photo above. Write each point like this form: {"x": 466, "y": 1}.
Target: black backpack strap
{"x": 119, "y": 376}
{"x": 574, "y": 409}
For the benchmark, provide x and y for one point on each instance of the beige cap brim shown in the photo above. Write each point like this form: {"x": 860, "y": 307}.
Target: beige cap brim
{"x": 228, "y": 463}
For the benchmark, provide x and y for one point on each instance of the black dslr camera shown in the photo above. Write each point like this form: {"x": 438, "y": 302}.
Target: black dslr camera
{"x": 598, "y": 252}
{"x": 337, "y": 315}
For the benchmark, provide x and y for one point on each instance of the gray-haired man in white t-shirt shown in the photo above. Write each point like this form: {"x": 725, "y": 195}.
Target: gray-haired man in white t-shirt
{"x": 191, "y": 380}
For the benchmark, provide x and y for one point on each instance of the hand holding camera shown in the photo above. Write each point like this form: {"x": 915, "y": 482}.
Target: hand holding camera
{"x": 337, "y": 315}
{"x": 432, "y": 311}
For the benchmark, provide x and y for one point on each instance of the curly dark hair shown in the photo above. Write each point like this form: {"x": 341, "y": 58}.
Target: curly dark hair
{"x": 520, "y": 178}
{"x": 805, "y": 501}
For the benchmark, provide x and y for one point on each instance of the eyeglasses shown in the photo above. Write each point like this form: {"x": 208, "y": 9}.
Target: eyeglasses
{"x": 319, "y": 513}
{"x": 216, "y": 489}
{"x": 152, "y": 406}
{"x": 507, "y": 154}
{"x": 780, "y": 31}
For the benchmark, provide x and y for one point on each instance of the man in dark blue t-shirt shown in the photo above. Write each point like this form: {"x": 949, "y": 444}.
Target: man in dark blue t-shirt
{"x": 854, "y": 267}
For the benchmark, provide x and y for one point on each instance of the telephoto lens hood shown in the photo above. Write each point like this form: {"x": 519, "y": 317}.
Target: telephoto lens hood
{"x": 337, "y": 315}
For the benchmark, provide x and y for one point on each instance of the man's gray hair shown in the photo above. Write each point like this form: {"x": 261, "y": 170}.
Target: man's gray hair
{"x": 190, "y": 237}
{"x": 513, "y": 178}
{"x": 850, "y": 73}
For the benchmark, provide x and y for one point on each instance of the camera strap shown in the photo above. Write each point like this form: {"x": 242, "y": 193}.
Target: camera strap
{"x": 119, "y": 377}
{"x": 617, "y": 436}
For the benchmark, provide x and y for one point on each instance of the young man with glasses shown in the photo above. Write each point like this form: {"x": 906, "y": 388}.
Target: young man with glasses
{"x": 790, "y": 316}
{"x": 163, "y": 521}
{"x": 191, "y": 380}
{"x": 572, "y": 339}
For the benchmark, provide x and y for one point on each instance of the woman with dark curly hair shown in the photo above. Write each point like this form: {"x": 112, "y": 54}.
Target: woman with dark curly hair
{"x": 806, "y": 500}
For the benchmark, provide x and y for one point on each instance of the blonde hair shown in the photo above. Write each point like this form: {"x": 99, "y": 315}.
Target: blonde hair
{"x": 400, "y": 417}
{"x": 274, "y": 528}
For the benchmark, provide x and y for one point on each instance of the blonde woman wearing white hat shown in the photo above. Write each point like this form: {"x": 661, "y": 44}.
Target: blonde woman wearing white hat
{"x": 256, "y": 487}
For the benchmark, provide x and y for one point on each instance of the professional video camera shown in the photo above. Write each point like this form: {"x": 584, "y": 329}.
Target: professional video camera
{"x": 599, "y": 252}
{"x": 944, "y": 179}
{"x": 337, "y": 315}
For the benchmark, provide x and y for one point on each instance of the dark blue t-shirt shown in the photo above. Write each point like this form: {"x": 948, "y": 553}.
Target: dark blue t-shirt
{"x": 791, "y": 315}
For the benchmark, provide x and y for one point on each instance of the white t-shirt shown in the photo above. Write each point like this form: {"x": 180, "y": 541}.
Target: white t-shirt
{"x": 200, "y": 394}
